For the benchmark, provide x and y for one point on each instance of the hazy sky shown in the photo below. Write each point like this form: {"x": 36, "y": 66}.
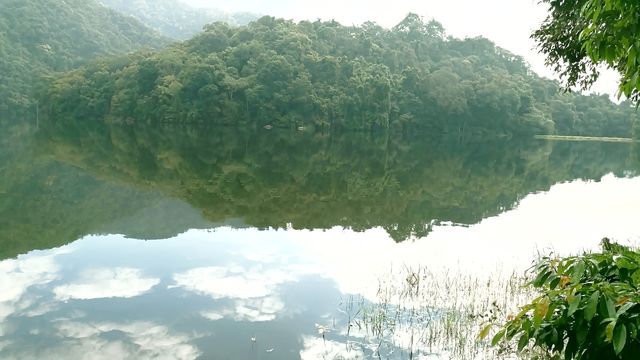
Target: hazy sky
{"x": 508, "y": 23}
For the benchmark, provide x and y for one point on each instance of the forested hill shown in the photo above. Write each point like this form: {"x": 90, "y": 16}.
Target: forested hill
{"x": 174, "y": 18}
{"x": 323, "y": 74}
{"x": 41, "y": 36}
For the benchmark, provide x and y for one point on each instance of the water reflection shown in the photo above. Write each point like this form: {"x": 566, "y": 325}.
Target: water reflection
{"x": 264, "y": 238}
{"x": 171, "y": 302}
{"x": 106, "y": 283}
{"x": 261, "y": 294}
{"x": 68, "y": 180}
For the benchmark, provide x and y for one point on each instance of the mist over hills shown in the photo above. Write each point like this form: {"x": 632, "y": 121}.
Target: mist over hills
{"x": 176, "y": 19}
{"x": 38, "y": 37}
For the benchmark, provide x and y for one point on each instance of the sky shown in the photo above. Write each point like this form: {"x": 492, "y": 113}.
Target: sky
{"x": 508, "y": 23}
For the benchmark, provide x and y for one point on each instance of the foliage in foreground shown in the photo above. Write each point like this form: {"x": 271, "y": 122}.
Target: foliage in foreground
{"x": 587, "y": 309}
{"x": 580, "y": 35}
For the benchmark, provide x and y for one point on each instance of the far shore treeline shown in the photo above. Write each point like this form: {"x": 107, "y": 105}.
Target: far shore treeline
{"x": 324, "y": 75}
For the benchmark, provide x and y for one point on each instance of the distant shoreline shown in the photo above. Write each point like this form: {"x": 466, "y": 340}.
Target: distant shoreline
{"x": 584, "y": 138}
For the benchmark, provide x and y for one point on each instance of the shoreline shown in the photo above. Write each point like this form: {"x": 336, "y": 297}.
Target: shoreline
{"x": 584, "y": 138}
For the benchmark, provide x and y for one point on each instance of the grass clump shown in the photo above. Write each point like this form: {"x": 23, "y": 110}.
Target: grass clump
{"x": 435, "y": 314}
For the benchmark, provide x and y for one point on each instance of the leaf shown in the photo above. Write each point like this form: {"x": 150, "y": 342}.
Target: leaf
{"x": 592, "y": 306}
{"x": 634, "y": 79}
{"x": 611, "y": 307}
{"x": 578, "y": 271}
{"x": 526, "y": 325}
{"x": 608, "y": 331}
{"x": 581, "y": 334}
{"x": 485, "y": 331}
{"x": 541, "y": 278}
{"x": 497, "y": 337}
{"x": 619, "y": 338}
{"x": 524, "y": 340}
{"x": 574, "y": 302}
{"x": 551, "y": 310}
{"x": 542, "y": 307}
{"x": 632, "y": 56}
{"x": 623, "y": 300}
{"x": 554, "y": 336}
{"x": 635, "y": 278}
{"x": 571, "y": 348}
{"x": 625, "y": 262}
{"x": 623, "y": 309}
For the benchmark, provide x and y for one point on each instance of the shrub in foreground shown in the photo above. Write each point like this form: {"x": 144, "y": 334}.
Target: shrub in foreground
{"x": 587, "y": 308}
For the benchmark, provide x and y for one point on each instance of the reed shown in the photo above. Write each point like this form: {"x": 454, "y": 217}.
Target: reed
{"x": 421, "y": 313}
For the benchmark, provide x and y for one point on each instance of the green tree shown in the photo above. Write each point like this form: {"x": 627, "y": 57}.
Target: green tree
{"x": 325, "y": 75}
{"x": 579, "y": 35}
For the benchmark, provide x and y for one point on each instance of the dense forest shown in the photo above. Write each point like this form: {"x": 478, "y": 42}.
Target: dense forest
{"x": 38, "y": 37}
{"x": 175, "y": 19}
{"x": 279, "y": 73}
{"x": 73, "y": 178}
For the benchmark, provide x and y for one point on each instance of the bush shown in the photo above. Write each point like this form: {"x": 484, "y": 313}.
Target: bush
{"x": 587, "y": 307}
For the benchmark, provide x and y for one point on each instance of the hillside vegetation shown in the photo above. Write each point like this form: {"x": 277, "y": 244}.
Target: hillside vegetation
{"x": 38, "y": 37}
{"x": 323, "y": 74}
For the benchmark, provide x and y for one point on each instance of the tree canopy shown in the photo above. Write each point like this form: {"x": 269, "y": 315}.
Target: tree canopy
{"x": 325, "y": 75}
{"x": 579, "y": 35}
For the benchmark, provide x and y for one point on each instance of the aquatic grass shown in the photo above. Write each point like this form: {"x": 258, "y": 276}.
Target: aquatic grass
{"x": 437, "y": 314}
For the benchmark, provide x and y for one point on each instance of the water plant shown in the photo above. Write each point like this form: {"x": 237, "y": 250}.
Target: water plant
{"x": 435, "y": 313}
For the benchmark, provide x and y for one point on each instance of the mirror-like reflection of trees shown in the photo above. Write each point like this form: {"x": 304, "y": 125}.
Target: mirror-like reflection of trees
{"x": 152, "y": 182}
{"x": 46, "y": 203}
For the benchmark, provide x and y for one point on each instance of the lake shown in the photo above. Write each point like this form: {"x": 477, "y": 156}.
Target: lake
{"x": 167, "y": 242}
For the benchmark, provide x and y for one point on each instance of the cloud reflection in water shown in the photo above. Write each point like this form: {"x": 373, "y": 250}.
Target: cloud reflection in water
{"x": 106, "y": 283}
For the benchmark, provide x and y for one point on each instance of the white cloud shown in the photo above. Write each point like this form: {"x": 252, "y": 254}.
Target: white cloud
{"x": 142, "y": 340}
{"x": 318, "y": 348}
{"x": 213, "y": 315}
{"x": 253, "y": 291}
{"x": 233, "y": 282}
{"x": 17, "y": 276}
{"x": 94, "y": 349}
{"x": 265, "y": 309}
{"x": 40, "y": 309}
{"x": 252, "y": 310}
{"x": 107, "y": 283}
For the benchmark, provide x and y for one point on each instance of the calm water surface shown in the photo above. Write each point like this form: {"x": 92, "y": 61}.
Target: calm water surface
{"x": 183, "y": 243}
